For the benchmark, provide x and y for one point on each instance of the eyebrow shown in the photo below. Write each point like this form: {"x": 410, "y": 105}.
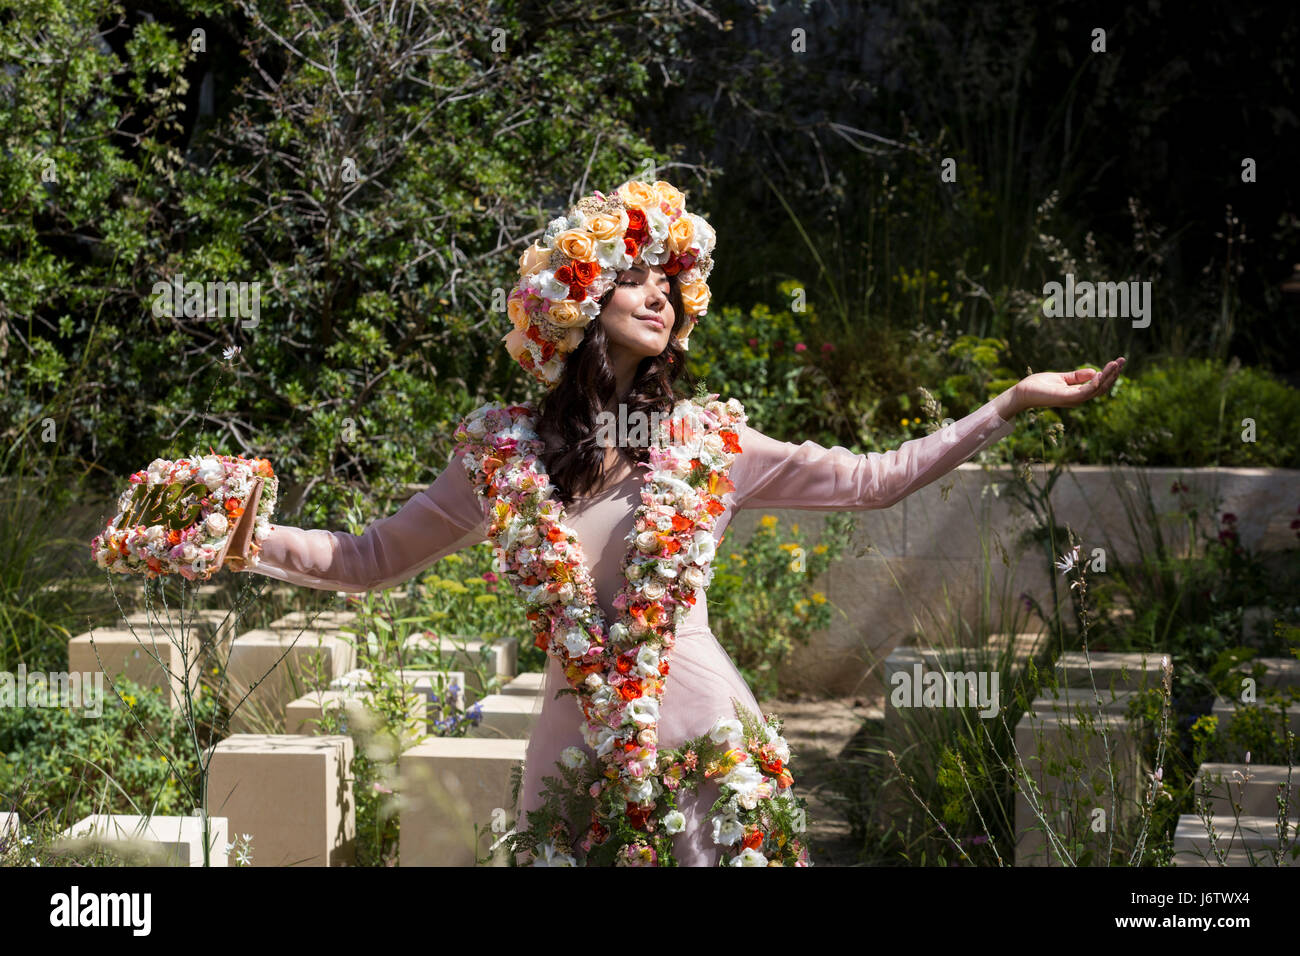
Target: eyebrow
{"x": 640, "y": 269}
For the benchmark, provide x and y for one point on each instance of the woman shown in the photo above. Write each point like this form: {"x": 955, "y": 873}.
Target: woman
{"x": 609, "y": 562}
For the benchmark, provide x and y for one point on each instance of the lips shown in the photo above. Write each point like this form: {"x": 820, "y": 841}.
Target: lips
{"x": 651, "y": 318}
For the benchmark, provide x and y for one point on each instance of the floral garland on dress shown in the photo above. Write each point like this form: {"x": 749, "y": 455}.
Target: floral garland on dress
{"x": 618, "y": 673}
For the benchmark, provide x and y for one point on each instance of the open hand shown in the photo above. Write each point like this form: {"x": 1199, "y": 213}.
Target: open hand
{"x": 1066, "y": 389}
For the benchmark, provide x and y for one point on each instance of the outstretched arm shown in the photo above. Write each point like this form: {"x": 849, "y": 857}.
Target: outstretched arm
{"x": 776, "y": 474}
{"x": 444, "y": 518}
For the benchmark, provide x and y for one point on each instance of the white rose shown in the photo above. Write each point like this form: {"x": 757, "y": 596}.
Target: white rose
{"x": 576, "y": 643}
{"x": 692, "y": 577}
{"x": 157, "y": 471}
{"x": 654, "y": 590}
{"x": 572, "y": 757}
{"x": 647, "y": 662}
{"x": 648, "y": 542}
{"x": 217, "y": 524}
{"x": 156, "y": 535}
{"x": 639, "y": 791}
{"x": 604, "y": 742}
{"x": 633, "y": 573}
{"x": 744, "y": 778}
{"x": 566, "y": 592}
{"x": 190, "y": 551}
{"x": 727, "y": 830}
{"x": 594, "y": 681}
{"x": 749, "y": 857}
{"x": 727, "y": 731}
{"x": 212, "y": 473}
{"x": 715, "y": 445}
{"x": 476, "y": 428}
{"x": 618, "y": 633}
{"x": 674, "y": 822}
{"x": 644, "y": 710}
{"x": 647, "y": 738}
{"x": 528, "y": 536}
{"x": 702, "y": 548}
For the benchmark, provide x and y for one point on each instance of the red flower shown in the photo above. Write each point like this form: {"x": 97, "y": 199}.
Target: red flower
{"x": 638, "y": 815}
{"x": 630, "y": 689}
{"x": 753, "y": 841}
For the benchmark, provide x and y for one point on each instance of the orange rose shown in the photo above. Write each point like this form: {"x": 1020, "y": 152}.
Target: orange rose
{"x": 695, "y": 297}
{"x": 516, "y": 343}
{"x": 753, "y": 841}
{"x": 534, "y": 259}
{"x": 576, "y": 244}
{"x": 669, "y": 195}
{"x": 629, "y": 690}
{"x": 681, "y": 233}
{"x": 518, "y": 314}
{"x": 636, "y": 193}
{"x": 567, "y": 315}
{"x": 607, "y": 225}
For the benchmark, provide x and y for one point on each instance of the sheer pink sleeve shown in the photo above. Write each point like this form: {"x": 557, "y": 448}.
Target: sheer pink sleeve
{"x": 776, "y": 474}
{"x": 443, "y": 518}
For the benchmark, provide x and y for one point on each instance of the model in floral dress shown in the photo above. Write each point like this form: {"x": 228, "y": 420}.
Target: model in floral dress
{"x": 645, "y": 723}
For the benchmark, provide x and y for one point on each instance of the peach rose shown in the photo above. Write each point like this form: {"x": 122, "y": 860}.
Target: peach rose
{"x": 680, "y": 235}
{"x": 573, "y": 338}
{"x": 695, "y": 297}
{"x": 518, "y": 314}
{"x": 516, "y": 343}
{"x": 670, "y": 194}
{"x": 534, "y": 259}
{"x": 576, "y": 244}
{"x": 637, "y": 193}
{"x": 607, "y": 225}
{"x": 567, "y": 315}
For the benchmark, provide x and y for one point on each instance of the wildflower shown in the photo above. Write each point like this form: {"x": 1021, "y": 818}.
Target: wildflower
{"x": 818, "y": 597}
{"x": 753, "y": 343}
{"x": 230, "y": 352}
{"x": 1067, "y": 562}
{"x": 768, "y": 521}
{"x": 800, "y": 347}
{"x": 827, "y": 347}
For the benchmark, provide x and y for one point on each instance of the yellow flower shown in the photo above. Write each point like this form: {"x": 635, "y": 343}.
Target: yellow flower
{"x": 789, "y": 546}
{"x": 820, "y": 549}
{"x": 800, "y": 605}
{"x": 768, "y": 521}
{"x": 794, "y": 528}
{"x": 818, "y": 597}
{"x": 130, "y": 700}
{"x": 903, "y": 422}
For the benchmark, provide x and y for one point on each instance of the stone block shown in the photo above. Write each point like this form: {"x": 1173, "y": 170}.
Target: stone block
{"x": 314, "y": 620}
{"x": 157, "y": 841}
{"x": 526, "y": 685}
{"x": 152, "y": 660}
{"x": 499, "y": 657}
{"x": 1237, "y": 839}
{"x": 450, "y": 784}
{"x": 1066, "y": 758}
{"x": 1110, "y": 670}
{"x": 311, "y": 659}
{"x": 1253, "y": 788}
{"x": 292, "y": 794}
{"x": 507, "y": 715}
{"x": 303, "y": 716}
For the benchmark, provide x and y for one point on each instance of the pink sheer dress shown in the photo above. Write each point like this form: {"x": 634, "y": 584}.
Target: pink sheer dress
{"x": 447, "y": 517}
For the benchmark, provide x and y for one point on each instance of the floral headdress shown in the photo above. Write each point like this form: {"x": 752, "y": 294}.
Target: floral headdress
{"x": 564, "y": 276}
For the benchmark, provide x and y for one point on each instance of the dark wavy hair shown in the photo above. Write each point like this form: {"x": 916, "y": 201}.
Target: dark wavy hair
{"x": 567, "y": 417}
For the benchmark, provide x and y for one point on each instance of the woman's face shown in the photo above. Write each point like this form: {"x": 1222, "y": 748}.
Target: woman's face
{"x": 639, "y": 314}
